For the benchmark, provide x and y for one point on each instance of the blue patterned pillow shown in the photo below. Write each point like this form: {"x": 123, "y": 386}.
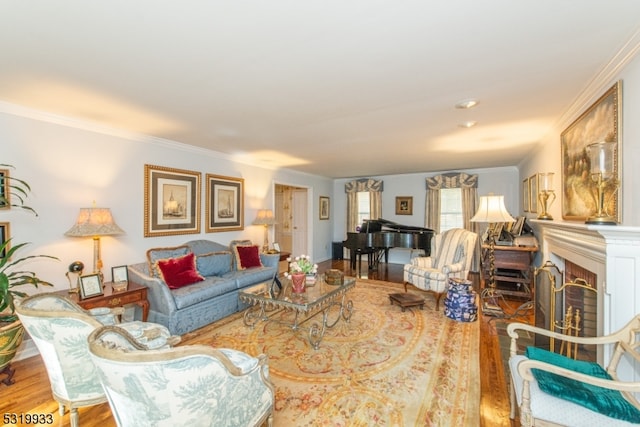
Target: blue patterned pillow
{"x": 214, "y": 264}
{"x": 602, "y": 400}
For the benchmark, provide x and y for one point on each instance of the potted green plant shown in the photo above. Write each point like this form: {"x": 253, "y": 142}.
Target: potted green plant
{"x": 11, "y": 278}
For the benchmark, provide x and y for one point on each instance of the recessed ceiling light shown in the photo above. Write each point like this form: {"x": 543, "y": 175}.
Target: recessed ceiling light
{"x": 468, "y": 124}
{"x": 465, "y": 104}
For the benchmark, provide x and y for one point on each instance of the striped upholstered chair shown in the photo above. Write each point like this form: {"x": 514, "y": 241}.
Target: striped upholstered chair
{"x": 451, "y": 255}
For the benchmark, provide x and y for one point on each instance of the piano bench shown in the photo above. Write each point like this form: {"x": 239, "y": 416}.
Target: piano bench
{"x": 363, "y": 251}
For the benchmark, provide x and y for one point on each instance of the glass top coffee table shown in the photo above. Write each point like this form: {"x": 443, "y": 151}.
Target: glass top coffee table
{"x": 268, "y": 299}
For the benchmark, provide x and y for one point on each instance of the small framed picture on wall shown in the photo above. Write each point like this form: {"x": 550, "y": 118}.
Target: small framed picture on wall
{"x": 4, "y": 237}
{"x": 525, "y": 195}
{"x": 533, "y": 193}
{"x": 404, "y": 205}
{"x": 324, "y": 207}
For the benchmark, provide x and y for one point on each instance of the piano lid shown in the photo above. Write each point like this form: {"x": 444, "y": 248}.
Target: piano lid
{"x": 377, "y": 225}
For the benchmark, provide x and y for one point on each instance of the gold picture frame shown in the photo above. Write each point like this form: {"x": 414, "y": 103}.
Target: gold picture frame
{"x": 404, "y": 205}
{"x": 224, "y": 208}
{"x": 600, "y": 122}
{"x": 323, "y": 209}
{"x": 171, "y": 201}
{"x": 525, "y": 195}
{"x": 533, "y": 193}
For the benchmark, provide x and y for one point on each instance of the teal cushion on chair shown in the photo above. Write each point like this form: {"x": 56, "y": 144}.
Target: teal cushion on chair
{"x": 581, "y": 366}
{"x": 598, "y": 399}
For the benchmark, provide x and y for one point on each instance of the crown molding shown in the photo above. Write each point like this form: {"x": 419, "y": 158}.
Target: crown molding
{"x": 602, "y": 81}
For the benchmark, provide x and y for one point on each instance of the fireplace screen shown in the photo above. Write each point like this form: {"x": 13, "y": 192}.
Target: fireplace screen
{"x": 569, "y": 309}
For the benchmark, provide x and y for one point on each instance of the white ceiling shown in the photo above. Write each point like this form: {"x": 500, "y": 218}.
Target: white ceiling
{"x": 340, "y": 88}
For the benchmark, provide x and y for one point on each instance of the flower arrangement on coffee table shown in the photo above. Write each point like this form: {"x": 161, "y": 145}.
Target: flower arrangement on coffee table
{"x": 301, "y": 266}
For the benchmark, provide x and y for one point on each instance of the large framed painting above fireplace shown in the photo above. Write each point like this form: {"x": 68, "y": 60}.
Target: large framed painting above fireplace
{"x": 600, "y": 122}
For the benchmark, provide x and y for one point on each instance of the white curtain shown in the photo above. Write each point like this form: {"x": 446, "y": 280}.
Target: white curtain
{"x": 352, "y": 188}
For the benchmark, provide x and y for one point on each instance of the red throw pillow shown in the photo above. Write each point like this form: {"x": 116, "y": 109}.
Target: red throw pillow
{"x": 180, "y": 271}
{"x": 248, "y": 256}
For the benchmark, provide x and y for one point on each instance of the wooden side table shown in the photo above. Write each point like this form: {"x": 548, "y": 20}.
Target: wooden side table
{"x": 515, "y": 259}
{"x": 134, "y": 294}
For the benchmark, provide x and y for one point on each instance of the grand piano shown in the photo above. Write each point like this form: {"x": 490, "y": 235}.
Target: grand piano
{"x": 377, "y": 236}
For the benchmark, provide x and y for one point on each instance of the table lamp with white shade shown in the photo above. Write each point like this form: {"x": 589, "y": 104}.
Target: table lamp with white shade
{"x": 492, "y": 210}
{"x": 95, "y": 222}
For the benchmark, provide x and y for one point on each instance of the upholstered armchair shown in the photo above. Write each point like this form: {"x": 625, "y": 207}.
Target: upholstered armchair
{"x": 183, "y": 386}
{"x": 59, "y": 329}
{"x": 552, "y": 389}
{"x": 451, "y": 256}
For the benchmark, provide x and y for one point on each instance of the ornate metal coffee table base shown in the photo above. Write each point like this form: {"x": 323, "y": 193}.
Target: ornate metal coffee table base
{"x": 271, "y": 304}
{"x": 315, "y": 330}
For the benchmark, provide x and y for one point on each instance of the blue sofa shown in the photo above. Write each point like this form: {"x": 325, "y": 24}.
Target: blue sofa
{"x": 191, "y": 307}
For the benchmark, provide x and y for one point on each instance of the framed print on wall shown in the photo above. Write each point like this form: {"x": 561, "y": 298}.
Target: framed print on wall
{"x": 525, "y": 195}
{"x": 533, "y": 193}
{"x": 324, "y": 207}
{"x": 224, "y": 203}
{"x": 404, "y": 205}
{"x": 5, "y": 191}
{"x": 171, "y": 201}
{"x": 598, "y": 123}
{"x": 4, "y": 236}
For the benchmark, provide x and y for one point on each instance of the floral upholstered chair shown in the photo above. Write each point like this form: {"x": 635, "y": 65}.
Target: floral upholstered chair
{"x": 451, "y": 255}
{"x": 59, "y": 329}
{"x": 183, "y": 386}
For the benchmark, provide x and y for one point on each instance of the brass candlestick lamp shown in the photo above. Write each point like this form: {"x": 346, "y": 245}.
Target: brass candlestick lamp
{"x": 95, "y": 222}
{"x": 546, "y": 192}
{"x": 266, "y": 218}
{"x": 602, "y": 155}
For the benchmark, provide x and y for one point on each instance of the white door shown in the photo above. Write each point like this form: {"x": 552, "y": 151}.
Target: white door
{"x": 299, "y": 222}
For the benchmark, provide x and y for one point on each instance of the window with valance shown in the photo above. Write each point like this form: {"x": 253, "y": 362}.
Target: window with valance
{"x": 468, "y": 184}
{"x": 352, "y": 188}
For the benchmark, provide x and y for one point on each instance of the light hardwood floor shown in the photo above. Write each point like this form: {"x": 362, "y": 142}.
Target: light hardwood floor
{"x": 31, "y": 393}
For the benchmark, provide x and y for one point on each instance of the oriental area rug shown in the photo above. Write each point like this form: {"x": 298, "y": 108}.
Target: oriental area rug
{"x": 385, "y": 367}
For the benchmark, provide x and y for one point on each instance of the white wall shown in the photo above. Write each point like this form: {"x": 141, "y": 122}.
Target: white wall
{"x": 69, "y": 165}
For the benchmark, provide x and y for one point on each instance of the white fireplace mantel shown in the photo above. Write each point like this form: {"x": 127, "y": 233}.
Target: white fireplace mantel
{"x": 610, "y": 251}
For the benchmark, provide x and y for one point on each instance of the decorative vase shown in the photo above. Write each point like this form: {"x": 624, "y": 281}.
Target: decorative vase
{"x": 10, "y": 339}
{"x": 298, "y": 282}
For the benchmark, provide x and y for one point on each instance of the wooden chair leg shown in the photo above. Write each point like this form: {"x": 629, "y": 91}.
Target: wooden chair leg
{"x": 438, "y": 296}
